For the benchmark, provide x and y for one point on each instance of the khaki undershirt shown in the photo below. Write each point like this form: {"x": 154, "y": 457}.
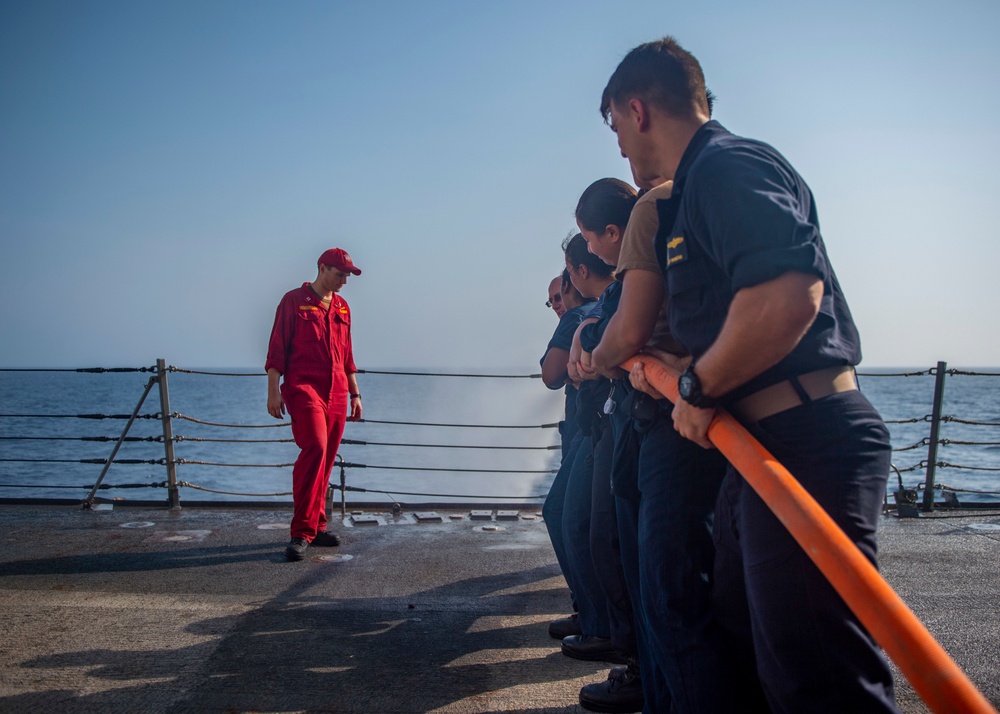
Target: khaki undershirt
{"x": 638, "y": 252}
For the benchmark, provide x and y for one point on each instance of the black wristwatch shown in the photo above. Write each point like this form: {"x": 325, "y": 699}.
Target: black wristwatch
{"x": 689, "y": 387}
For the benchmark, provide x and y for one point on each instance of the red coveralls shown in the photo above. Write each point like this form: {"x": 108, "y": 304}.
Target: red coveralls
{"x": 311, "y": 347}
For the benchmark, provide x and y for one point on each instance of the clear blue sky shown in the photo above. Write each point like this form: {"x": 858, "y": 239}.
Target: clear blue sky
{"x": 169, "y": 169}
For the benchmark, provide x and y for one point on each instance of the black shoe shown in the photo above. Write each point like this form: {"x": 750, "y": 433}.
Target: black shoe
{"x": 565, "y": 626}
{"x": 325, "y": 539}
{"x": 591, "y": 648}
{"x": 296, "y": 549}
{"x": 620, "y": 692}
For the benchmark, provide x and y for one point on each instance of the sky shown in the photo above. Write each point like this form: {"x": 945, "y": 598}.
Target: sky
{"x": 169, "y": 169}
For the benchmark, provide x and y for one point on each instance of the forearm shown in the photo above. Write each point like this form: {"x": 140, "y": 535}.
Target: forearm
{"x": 275, "y": 403}
{"x": 273, "y": 381}
{"x": 578, "y": 367}
{"x": 630, "y": 328}
{"x": 354, "y": 401}
{"x": 618, "y": 343}
{"x": 554, "y": 368}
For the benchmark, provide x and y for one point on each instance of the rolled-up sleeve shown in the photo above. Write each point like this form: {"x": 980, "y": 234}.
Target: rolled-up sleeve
{"x": 761, "y": 219}
{"x": 281, "y": 338}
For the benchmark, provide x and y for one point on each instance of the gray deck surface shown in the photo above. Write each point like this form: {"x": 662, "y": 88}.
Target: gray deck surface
{"x": 147, "y": 610}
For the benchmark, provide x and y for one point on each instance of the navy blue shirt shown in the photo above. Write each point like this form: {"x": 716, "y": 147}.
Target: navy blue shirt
{"x": 562, "y": 339}
{"x": 604, "y": 310}
{"x": 740, "y": 215}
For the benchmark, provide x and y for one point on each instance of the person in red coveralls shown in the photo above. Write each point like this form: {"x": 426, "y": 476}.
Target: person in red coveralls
{"x": 310, "y": 347}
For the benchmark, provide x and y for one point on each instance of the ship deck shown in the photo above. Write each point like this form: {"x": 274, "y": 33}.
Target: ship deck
{"x": 196, "y": 610}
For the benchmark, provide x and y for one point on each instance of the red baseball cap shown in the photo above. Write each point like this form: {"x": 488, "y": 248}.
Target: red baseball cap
{"x": 339, "y": 259}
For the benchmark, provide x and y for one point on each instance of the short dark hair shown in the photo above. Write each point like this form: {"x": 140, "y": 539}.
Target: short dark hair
{"x": 577, "y": 254}
{"x": 607, "y": 201}
{"x": 568, "y": 286}
{"x": 662, "y": 74}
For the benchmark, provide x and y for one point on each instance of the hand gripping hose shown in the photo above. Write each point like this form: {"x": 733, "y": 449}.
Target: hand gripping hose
{"x": 934, "y": 675}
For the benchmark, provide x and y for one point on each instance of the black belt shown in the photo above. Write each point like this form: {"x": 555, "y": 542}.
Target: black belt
{"x": 794, "y": 392}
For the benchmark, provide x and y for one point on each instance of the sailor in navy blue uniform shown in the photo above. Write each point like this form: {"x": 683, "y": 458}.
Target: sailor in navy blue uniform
{"x": 754, "y": 299}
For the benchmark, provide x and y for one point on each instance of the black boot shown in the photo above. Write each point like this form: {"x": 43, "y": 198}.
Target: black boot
{"x": 588, "y": 647}
{"x": 620, "y": 692}
{"x": 565, "y": 626}
{"x": 296, "y": 549}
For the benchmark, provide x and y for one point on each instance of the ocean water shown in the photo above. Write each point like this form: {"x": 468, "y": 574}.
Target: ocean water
{"x": 404, "y": 458}
{"x": 40, "y": 448}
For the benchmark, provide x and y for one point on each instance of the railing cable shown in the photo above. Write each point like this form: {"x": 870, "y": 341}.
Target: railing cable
{"x": 354, "y": 442}
{"x": 947, "y": 465}
{"x": 392, "y": 494}
{"x": 232, "y": 493}
{"x": 91, "y": 370}
{"x": 449, "y": 470}
{"x": 956, "y": 420}
{"x": 365, "y": 371}
{"x": 100, "y": 487}
{"x": 79, "y": 416}
{"x": 236, "y": 441}
{"x": 242, "y": 466}
{"x": 922, "y": 373}
{"x": 154, "y": 462}
{"x": 81, "y": 438}
{"x": 451, "y": 374}
{"x": 968, "y": 443}
{"x": 178, "y": 415}
{"x": 465, "y": 426}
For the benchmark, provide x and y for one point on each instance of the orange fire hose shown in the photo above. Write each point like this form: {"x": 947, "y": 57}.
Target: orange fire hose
{"x": 934, "y": 675}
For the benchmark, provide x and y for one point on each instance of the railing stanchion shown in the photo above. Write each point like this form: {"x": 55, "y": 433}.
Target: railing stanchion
{"x": 89, "y": 501}
{"x": 173, "y": 495}
{"x": 932, "y": 447}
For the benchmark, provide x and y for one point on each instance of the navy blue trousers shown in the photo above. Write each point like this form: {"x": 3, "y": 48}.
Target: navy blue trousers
{"x": 810, "y": 652}
{"x": 665, "y": 518}
{"x": 654, "y": 683}
{"x": 605, "y": 546}
{"x": 581, "y": 574}
{"x": 567, "y": 518}
{"x": 553, "y": 509}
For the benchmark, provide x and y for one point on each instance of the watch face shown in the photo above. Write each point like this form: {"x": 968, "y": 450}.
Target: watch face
{"x": 685, "y": 384}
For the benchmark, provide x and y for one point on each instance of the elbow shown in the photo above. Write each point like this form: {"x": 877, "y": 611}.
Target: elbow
{"x": 799, "y": 314}
{"x": 552, "y": 379}
{"x": 634, "y": 338}
{"x": 808, "y": 308}
{"x": 602, "y": 361}
{"x": 806, "y": 316}
{"x": 625, "y": 344}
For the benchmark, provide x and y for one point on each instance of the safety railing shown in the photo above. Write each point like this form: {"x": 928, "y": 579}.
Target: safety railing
{"x": 422, "y": 457}
{"x": 442, "y": 449}
{"x": 978, "y": 491}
